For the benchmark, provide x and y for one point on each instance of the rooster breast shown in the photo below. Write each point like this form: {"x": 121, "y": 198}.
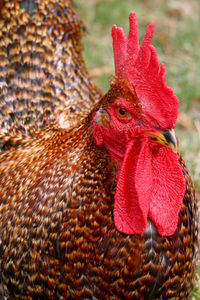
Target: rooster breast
{"x": 58, "y": 238}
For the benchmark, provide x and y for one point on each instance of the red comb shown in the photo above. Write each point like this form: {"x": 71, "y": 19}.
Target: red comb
{"x": 140, "y": 67}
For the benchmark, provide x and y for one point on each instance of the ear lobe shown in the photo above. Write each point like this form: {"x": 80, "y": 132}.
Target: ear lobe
{"x": 102, "y": 117}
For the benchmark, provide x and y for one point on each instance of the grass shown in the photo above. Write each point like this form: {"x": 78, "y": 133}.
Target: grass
{"x": 177, "y": 41}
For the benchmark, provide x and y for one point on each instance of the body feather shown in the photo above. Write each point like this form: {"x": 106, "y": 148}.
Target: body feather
{"x": 58, "y": 239}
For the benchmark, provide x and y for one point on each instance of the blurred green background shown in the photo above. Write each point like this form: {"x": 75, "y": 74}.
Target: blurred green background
{"x": 177, "y": 40}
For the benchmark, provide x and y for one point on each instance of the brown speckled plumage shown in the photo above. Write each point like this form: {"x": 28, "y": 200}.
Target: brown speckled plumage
{"x": 57, "y": 235}
{"x": 42, "y": 72}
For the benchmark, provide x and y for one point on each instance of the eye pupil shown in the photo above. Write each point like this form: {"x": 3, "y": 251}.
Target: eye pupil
{"x": 122, "y": 112}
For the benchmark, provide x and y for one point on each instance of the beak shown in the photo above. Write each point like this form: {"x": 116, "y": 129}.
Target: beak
{"x": 166, "y": 138}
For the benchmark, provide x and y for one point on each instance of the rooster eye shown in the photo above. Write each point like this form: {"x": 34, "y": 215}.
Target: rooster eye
{"x": 123, "y": 114}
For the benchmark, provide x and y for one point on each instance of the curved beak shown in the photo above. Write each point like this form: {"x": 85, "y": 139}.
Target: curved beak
{"x": 166, "y": 138}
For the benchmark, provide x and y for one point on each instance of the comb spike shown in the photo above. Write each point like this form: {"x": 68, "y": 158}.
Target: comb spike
{"x": 133, "y": 39}
{"x": 153, "y": 63}
{"x": 144, "y": 53}
{"x": 119, "y": 49}
{"x": 162, "y": 72}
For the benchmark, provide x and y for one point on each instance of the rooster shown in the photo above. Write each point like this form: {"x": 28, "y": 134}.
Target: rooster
{"x": 95, "y": 200}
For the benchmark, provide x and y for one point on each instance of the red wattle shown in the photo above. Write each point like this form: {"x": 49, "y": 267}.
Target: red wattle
{"x": 168, "y": 191}
{"x": 134, "y": 188}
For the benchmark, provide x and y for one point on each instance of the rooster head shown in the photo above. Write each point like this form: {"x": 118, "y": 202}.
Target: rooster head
{"x": 135, "y": 123}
